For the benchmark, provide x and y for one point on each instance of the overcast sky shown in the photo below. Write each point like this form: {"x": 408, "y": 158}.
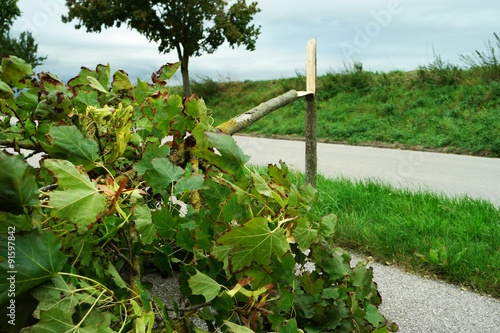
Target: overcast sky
{"x": 384, "y": 35}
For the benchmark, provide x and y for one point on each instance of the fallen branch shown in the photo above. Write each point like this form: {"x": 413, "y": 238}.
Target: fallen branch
{"x": 244, "y": 120}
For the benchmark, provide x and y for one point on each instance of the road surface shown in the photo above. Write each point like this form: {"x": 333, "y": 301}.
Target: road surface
{"x": 453, "y": 175}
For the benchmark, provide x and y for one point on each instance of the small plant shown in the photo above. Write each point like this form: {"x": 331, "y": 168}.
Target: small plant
{"x": 487, "y": 62}
{"x": 134, "y": 178}
{"x": 439, "y": 258}
{"x": 439, "y": 72}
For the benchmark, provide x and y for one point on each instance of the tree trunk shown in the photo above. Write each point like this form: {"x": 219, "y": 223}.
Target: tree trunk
{"x": 185, "y": 76}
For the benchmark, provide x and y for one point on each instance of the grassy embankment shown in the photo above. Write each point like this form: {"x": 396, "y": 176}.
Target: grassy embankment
{"x": 438, "y": 107}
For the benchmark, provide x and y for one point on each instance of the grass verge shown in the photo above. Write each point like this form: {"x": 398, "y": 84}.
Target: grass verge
{"x": 456, "y": 240}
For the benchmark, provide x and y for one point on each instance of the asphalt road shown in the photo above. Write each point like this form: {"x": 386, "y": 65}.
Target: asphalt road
{"x": 417, "y": 304}
{"x": 453, "y": 175}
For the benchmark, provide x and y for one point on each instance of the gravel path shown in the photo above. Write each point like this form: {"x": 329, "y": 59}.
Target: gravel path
{"x": 415, "y": 303}
{"x": 419, "y": 304}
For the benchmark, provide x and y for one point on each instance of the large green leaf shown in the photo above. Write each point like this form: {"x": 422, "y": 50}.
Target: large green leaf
{"x": 68, "y": 307}
{"x": 304, "y": 234}
{"x": 19, "y": 189}
{"x": 163, "y": 173}
{"x": 263, "y": 188}
{"x": 193, "y": 183}
{"x": 16, "y": 70}
{"x": 362, "y": 278}
{"x": 77, "y": 199}
{"x": 254, "y": 242}
{"x": 230, "y": 157}
{"x": 144, "y": 224}
{"x": 373, "y": 316}
{"x": 68, "y": 143}
{"x": 151, "y": 152}
{"x": 202, "y": 284}
{"x": 36, "y": 259}
{"x": 336, "y": 267}
{"x": 121, "y": 81}
{"x": 227, "y": 147}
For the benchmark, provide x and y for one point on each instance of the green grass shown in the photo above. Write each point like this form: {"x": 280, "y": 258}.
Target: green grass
{"x": 437, "y": 108}
{"x": 457, "y": 240}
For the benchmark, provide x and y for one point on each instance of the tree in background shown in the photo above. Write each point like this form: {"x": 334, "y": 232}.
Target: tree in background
{"x": 190, "y": 27}
{"x": 24, "y": 47}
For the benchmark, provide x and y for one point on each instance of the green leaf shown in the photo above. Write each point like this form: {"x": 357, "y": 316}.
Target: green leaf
{"x": 231, "y": 158}
{"x": 117, "y": 279}
{"x": 16, "y": 70}
{"x": 336, "y": 267}
{"x": 202, "y": 284}
{"x": 243, "y": 196}
{"x": 163, "y": 173}
{"x": 235, "y": 328}
{"x": 305, "y": 303}
{"x": 19, "y": 189}
{"x": 37, "y": 259}
{"x": 204, "y": 124}
{"x": 26, "y": 102}
{"x": 77, "y": 199}
{"x": 94, "y": 83}
{"x": 165, "y": 223}
{"x": 20, "y": 222}
{"x": 56, "y": 293}
{"x": 283, "y": 269}
{"x": 254, "y": 242}
{"x": 5, "y": 91}
{"x": 361, "y": 278}
{"x": 55, "y": 320}
{"x": 68, "y": 143}
{"x": 263, "y": 188}
{"x": 144, "y": 224}
{"x": 228, "y": 148}
{"x": 194, "y": 107}
{"x": 279, "y": 175}
{"x": 193, "y": 183}
{"x": 74, "y": 306}
{"x": 152, "y": 151}
{"x": 290, "y": 327}
{"x": 121, "y": 82}
{"x": 311, "y": 284}
{"x": 327, "y": 225}
{"x": 166, "y": 72}
{"x": 331, "y": 293}
{"x": 103, "y": 74}
{"x": 373, "y": 316}
{"x": 304, "y": 234}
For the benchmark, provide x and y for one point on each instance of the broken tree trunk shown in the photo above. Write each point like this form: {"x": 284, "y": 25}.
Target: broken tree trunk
{"x": 244, "y": 120}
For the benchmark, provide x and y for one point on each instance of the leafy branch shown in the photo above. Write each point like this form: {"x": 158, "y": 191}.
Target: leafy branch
{"x": 112, "y": 199}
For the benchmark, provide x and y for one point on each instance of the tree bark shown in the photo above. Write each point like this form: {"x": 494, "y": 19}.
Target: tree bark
{"x": 244, "y": 120}
{"x": 311, "y": 140}
{"x": 185, "y": 76}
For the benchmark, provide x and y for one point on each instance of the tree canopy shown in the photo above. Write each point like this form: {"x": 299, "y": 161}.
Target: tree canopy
{"x": 24, "y": 46}
{"x": 189, "y": 27}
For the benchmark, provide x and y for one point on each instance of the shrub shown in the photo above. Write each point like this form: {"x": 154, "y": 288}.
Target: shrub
{"x": 111, "y": 198}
